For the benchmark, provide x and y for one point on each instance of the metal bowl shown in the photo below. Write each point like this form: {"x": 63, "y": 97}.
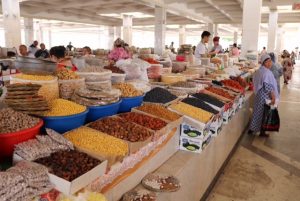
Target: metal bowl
{"x": 35, "y": 66}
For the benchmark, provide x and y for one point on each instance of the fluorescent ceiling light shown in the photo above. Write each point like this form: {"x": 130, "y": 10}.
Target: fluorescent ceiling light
{"x": 133, "y": 14}
{"x": 290, "y": 7}
{"x": 265, "y": 9}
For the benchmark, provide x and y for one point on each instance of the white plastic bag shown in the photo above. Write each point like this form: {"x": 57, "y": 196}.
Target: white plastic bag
{"x": 134, "y": 68}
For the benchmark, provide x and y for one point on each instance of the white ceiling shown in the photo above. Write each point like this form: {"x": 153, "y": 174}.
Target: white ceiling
{"x": 228, "y": 13}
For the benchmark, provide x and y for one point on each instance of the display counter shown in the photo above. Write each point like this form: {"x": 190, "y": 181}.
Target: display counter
{"x": 195, "y": 171}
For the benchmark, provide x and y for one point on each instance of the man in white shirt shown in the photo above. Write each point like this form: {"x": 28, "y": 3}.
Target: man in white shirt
{"x": 33, "y": 48}
{"x": 201, "y": 49}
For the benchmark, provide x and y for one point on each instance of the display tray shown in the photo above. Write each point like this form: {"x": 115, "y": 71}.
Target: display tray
{"x": 157, "y": 133}
{"x": 77, "y": 184}
{"x": 132, "y": 146}
{"x": 171, "y": 124}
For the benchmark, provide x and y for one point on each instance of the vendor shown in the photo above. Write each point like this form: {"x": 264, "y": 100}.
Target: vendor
{"x": 58, "y": 55}
{"x": 201, "y": 49}
{"x": 23, "y": 51}
{"x": 217, "y": 48}
{"x": 119, "y": 52}
{"x": 87, "y": 52}
{"x": 235, "y": 52}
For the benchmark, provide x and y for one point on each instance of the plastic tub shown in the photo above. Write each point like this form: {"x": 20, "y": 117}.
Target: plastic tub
{"x": 9, "y": 140}
{"x": 97, "y": 112}
{"x": 128, "y": 103}
{"x": 62, "y": 124}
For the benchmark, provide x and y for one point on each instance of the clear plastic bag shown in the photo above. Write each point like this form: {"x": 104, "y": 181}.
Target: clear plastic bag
{"x": 96, "y": 76}
{"x": 67, "y": 87}
{"x": 134, "y": 68}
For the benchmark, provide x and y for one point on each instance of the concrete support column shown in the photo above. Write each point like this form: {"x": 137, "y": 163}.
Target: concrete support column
{"x": 28, "y": 30}
{"x": 272, "y": 31}
{"x": 111, "y": 37}
{"x": 235, "y": 37}
{"x": 49, "y": 37}
{"x": 11, "y": 22}
{"x": 127, "y": 29}
{"x": 280, "y": 46}
{"x": 182, "y": 35}
{"x": 38, "y": 32}
{"x": 251, "y": 23}
{"x": 118, "y": 32}
{"x": 210, "y": 29}
{"x": 216, "y": 27}
{"x": 160, "y": 30}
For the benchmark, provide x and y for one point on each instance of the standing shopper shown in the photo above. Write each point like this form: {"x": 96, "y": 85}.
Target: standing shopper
{"x": 287, "y": 66}
{"x": 276, "y": 69}
{"x": 265, "y": 88}
{"x": 217, "y": 48}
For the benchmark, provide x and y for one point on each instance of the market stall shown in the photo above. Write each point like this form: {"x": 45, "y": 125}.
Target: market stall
{"x": 106, "y": 129}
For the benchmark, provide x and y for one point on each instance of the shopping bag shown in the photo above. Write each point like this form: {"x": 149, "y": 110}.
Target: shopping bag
{"x": 271, "y": 120}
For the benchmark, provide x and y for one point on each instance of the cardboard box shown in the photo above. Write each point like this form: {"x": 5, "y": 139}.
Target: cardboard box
{"x": 194, "y": 145}
{"x": 77, "y": 184}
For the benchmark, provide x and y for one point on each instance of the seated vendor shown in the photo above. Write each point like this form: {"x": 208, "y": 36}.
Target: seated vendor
{"x": 87, "y": 52}
{"x": 58, "y": 55}
{"x": 119, "y": 52}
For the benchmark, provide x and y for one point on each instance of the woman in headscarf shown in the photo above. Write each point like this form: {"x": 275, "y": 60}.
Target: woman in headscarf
{"x": 265, "y": 88}
{"x": 276, "y": 69}
{"x": 287, "y": 66}
{"x": 119, "y": 51}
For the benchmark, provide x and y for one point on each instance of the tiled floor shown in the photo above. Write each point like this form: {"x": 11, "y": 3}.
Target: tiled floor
{"x": 267, "y": 169}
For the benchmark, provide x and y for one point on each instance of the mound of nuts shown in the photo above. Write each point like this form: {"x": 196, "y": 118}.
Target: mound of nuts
{"x": 128, "y": 90}
{"x": 144, "y": 120}
{"x": 13, "y": 121}
{"x": 97, "y": 142}
{"x": 69, "y": 165}
{"x": 122, "y": 129}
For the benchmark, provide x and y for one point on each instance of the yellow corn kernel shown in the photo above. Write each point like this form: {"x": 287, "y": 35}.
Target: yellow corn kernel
{"x": 194, "y": 112}
{"x": 97, "y": 142}
{"x": 35, "y": 77}
{"x": 62, "y": 107}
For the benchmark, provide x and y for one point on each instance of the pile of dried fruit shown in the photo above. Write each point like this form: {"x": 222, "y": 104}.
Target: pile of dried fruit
{"x": 195, "y": 113}
{"x": 220, "y": 92}
{"x": 159, "y": 95}
{"x": 69, "y": 165}
{"x": 121, "y": 129}
{"x": 242, "y": 81}
{"x": 13, "y": 121}
{"x": 144, "y": 120}
{"x": 97, "y": 142}
{"x": 128, "y": 90}
{"x": 66, "y": 74}
{"x": 25, "y": 98}
{"x": 234, "y": 84}
{"x": 159, "y": 111}
{"x": 114, "y": 69}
